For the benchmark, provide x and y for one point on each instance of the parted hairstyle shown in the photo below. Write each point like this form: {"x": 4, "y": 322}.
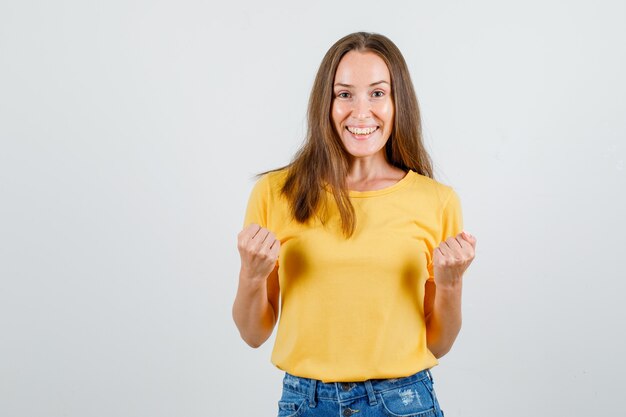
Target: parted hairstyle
{"x": 322, "y": 161}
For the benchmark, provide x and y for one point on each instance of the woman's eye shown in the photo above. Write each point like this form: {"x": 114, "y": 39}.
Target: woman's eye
{"x": 377, "y": 93}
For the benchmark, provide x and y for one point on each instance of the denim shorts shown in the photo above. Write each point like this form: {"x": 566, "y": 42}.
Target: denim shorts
{"x": 410, "y": 396}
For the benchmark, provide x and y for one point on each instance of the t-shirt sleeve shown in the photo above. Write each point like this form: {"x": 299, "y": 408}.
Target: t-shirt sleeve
{"x": 452, "y": 216}
{"x": 258, "y": 202}
{"x": 451, "y": 222}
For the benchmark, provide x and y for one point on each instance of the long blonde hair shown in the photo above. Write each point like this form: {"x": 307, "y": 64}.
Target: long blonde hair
{"x": 322, "y": 160}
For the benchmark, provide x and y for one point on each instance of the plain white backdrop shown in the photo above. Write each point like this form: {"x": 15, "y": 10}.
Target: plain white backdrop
{"x": 130, "y": 134}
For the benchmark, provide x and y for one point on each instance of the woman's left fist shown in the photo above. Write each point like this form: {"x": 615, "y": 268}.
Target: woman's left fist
{"x": 452, "y": 257}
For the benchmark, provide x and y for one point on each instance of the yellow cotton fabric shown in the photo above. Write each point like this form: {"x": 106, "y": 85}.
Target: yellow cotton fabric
{"x": 352, "y": 309}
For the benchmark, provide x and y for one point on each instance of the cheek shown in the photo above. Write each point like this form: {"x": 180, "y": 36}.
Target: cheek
{"x": 339, "y": 112}
{"x": 386, "y": 110}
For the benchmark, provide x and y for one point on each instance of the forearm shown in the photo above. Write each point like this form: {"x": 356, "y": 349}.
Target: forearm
{"x": 444, "y": 322}
{"x": 252, "y": 312}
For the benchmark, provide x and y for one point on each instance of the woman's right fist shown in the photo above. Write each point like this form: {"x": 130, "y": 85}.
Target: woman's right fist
{"x": 258, "y": 249}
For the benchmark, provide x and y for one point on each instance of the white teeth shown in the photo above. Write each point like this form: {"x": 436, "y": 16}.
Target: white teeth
{"x": 364, "y": 131}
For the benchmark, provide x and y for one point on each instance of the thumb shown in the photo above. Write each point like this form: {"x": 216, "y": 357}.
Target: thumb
{"x": 470, "y": 238}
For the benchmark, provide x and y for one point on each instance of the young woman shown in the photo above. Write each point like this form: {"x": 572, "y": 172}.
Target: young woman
{"x": 364, "y": 247}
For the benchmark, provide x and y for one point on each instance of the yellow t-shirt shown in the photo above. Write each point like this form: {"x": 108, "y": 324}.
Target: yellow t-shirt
{"x": 353, "y": 309}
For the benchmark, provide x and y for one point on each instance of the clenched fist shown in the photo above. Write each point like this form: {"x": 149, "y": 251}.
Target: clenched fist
{"x": 258, "y": 249}
{"x": 452, "y": 257}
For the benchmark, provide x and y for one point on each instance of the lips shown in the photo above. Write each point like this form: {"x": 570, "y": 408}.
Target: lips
{"x": 361, "y": 130}
{"x": 360, "y": 136}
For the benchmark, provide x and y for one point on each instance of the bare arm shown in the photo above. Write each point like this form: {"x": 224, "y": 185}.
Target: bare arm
{"x": 442, "y": 299}
{"x": 255, "y": 310}
{"x": 442, "y": 306}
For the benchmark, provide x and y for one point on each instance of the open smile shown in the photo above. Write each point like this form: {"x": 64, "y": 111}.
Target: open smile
{"x": 362, "y": 133}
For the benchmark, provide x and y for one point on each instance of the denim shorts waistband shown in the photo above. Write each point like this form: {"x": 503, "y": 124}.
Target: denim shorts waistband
{"x": 348, "y": 390}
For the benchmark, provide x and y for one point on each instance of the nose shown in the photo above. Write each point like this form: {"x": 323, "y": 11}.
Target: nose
{"x": 362, "y": 107}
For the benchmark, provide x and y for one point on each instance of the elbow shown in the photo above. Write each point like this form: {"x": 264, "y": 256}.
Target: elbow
{"x": 254, "y": 333}
{"x": 245, "y": 336}
{"x": 439, "y": 353}
{"x": 253, "y": 344}
{"x": 251, "y": 338}
{"x": 255, "y": 341}
{"x": 441, "y": 347}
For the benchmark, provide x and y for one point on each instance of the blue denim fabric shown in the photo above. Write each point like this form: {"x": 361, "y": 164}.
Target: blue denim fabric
{"x": 411, "y": 396}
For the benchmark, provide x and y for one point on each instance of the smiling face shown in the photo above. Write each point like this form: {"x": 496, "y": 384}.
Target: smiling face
{"x": 362, "y": 110}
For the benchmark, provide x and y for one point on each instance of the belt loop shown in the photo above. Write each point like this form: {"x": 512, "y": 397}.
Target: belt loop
{"x": 370, "y": 392}
{"x": 312, "y": 388}
{"x": 437, "y": 406}
{"x": 430, "y": 376}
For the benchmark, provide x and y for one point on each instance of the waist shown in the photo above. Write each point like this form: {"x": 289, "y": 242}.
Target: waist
{"x": 346, "y": 390}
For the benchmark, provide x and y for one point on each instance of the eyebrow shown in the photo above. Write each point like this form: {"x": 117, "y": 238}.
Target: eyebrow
{"x": 371, "y": 85}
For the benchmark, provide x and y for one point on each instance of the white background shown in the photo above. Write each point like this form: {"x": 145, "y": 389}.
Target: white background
{"x": 130, "y": 133}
